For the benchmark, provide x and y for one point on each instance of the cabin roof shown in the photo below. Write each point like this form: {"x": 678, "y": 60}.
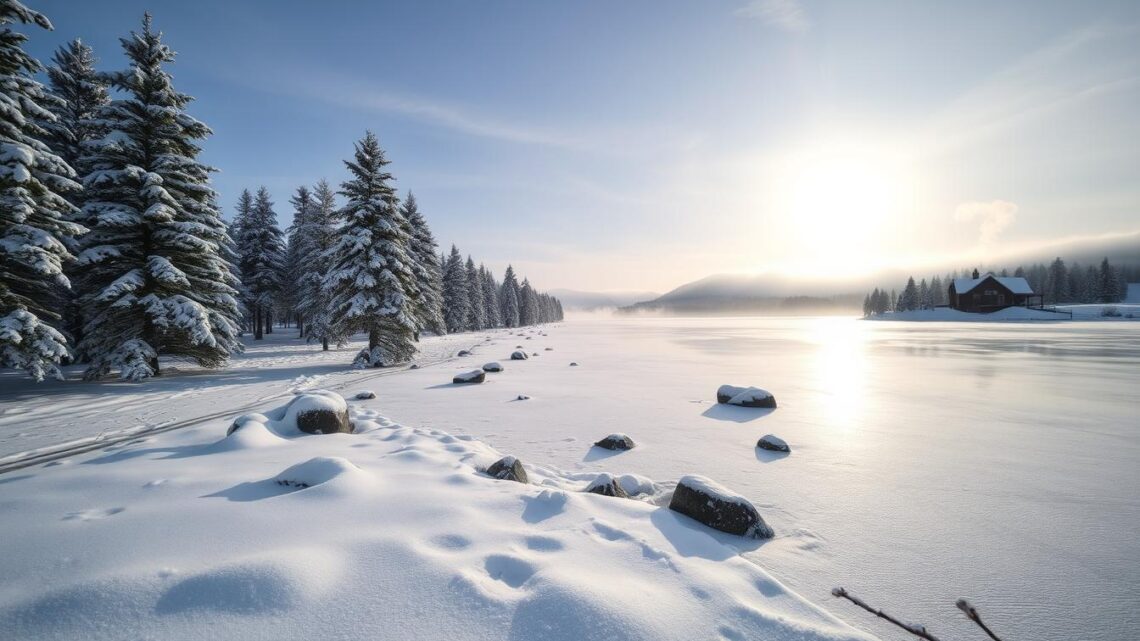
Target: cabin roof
{"x": 1015, "y": 284}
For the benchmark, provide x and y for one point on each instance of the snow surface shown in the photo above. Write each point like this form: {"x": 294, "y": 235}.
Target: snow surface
{"x": 934, "y": 461}
{"x": 1090, "y": 312}
{"x": 388, "y": 533}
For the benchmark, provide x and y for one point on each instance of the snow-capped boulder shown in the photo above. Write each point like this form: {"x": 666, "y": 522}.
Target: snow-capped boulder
{"x": 573, "y": 365}
{"x": 318, "y": 412}
{"x": 474, "y": 376}
{"x": 508, "y": 468}
{"x": 703, "y": 500}
{"x": 773, "y": 443}
{"x": 518, "y": 356}
{"x": 522, "y": 397}
{"x": 240, "y": 421}
{"x": 365, "y": 395}
{"x": 493, "y": 367}
{"x": 616, "y": 441}
{"x": 745, "y": 396}
{"x": 605, "y": 485}
{"x": 414, "y": 366}
{"x": 463, "y": 352}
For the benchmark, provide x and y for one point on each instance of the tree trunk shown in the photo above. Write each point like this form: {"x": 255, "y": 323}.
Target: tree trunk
{"x": 154, "y": 365}
{"x": 257, "y": 323}
{"x": 269, "y": 321}
{"x": 324, "y": 344}
{"x": 300, "y": 326}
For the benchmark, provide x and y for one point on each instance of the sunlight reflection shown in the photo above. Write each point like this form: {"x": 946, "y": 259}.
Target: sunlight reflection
{"x": 841, "y": 369}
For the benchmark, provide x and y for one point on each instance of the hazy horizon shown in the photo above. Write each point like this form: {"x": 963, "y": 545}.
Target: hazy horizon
{"x": 809, "y": 138}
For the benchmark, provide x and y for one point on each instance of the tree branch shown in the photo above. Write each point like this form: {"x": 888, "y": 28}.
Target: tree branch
{"x": 917, "y": 630}
{"x": 972, "y": 613}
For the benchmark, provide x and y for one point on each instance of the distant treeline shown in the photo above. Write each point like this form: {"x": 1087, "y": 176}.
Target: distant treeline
{"x": 1057, "y": 282}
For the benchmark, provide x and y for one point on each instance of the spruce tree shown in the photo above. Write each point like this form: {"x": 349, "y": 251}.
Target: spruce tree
{"x": 372, "y": 287}
{"x": 155, "y": 275}
{"x": 908, "y": 300}
{"x": 319, "y": 230}
{"x": 457, "y": 303}
{"x": 428, "y": 270}
{"x": 1107, "y": 289}
{"x": 1057, "y": 282}
{"x": 299, "y": 248}
{"x": 509, "y": 298}
{"x": 477, "y": 314}
{"x": 528, "y": 304}
{"x": 493, "y": 312}
{"x": 261, "y": 251}
{"x": 36, "y": 227}
{"x": 80, "y": 93}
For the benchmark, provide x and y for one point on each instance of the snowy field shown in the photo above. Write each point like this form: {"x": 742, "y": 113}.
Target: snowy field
{"x": 929, "y": 462}
{"x": 1085, "y": 313}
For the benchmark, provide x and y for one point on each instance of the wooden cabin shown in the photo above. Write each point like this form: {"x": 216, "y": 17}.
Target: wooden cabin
{"x": 990, "y": 293}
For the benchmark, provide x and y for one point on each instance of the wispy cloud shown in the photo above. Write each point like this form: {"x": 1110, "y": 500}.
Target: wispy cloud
{"x": 788, "y": 15}
{"x": 992, "y": 217}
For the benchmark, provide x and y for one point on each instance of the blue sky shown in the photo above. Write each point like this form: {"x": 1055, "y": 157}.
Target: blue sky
{"x": 639, "y": 145}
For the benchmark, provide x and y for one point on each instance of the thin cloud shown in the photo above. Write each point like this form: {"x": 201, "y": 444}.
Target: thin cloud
{"x": 992, "y": 217}
{"x": 788, "y": 15}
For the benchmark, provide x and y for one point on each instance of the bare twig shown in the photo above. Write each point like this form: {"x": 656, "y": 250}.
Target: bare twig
{"x": 917, "y": 630}
{"x": 972, "y": 613}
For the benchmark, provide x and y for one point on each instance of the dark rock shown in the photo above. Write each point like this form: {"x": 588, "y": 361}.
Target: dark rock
{"x": 616, "y": 442}
{"x": 706, "y": 502}
{"x": 474, "y": 376}
{"x": 518, "y": 356}
{"x": 773, "y": 443}
{"x": 414, "y": 366}
{"x": 606, "y": 485}
{"x": 365, "y": 395}
{"x": 508, "y": 468}
{"x": 550, "y": 349}
{"x": 493, "y": 367}
{"x": 573, "y": 365}
{"x": 463, "y": 352}
{"x": 319, "y": 414}
{"x": 745, "y": 396}
{"x": 522, "y": 397}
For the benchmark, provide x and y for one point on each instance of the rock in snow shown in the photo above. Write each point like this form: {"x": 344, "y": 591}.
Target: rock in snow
{"x": 463, "y": 352}
{"x": 493, "y": 367}
{"x": 365, "y": 395}
{"x": 774, "y": 443}
{"x": 616, "y": 441}
{"x": 573, "y": 365}
{"x": 550, "y": 349}
{"x": 318, "y": 413}
{"x": 745, "y": 396}
{"x": 508, "y": 468}
{"x": 605, "y": 485}
{"x": 522, "y": 397}
{"x": 474, "y": 376}
{"x": 518, "y": 356}
{"x": 703, "y": 500}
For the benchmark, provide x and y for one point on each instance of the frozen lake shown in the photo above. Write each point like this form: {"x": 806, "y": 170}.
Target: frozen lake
{"x": 1000, "y": 463}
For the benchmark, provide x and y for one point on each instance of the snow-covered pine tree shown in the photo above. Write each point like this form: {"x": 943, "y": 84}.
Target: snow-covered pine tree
{"x": 490, "y": 297}
{"x": 299, "y": 247}
{"x": 428, "y": 270}
{"x": 261, "y": 252}
{"x": 320, "y": 230}
{"x": 1057, "y": 282}
{"x": 155, "y": 278}
{"x": 908, "y": 300}
{"x": 80, "y": 93}
{"x": 924, "y": 301}
{"x": 1107, "y": 289}
{"x": 35, "y": 215}
{"x": 477, "y": 313}
{"x": 372, "y": 286}
{"x": 455, "y": 295}
{"x": 509, "y": 298}
{"x": 937, "y": 292}
{"x": 528, "y": 314}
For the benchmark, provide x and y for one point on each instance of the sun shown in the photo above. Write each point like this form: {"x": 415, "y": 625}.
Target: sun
{"x": 839, "y": 201}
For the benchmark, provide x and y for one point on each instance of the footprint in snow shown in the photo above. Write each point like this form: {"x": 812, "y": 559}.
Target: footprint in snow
{"x": 543, "y": 544}
{"x": 92, "y": 515}
{"x": 511, "y": 570}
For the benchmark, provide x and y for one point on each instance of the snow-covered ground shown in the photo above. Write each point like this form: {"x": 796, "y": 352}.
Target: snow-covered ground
{"x": 929, "y": 461}
{"x": 1085, "y": 312}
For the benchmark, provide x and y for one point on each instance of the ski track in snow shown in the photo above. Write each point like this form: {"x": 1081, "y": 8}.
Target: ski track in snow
{"x": 72, "y": 412}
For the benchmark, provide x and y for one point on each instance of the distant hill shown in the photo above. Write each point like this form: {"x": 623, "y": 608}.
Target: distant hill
{"x": 778, "y": 294}
{"x": 593, "y": 301}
